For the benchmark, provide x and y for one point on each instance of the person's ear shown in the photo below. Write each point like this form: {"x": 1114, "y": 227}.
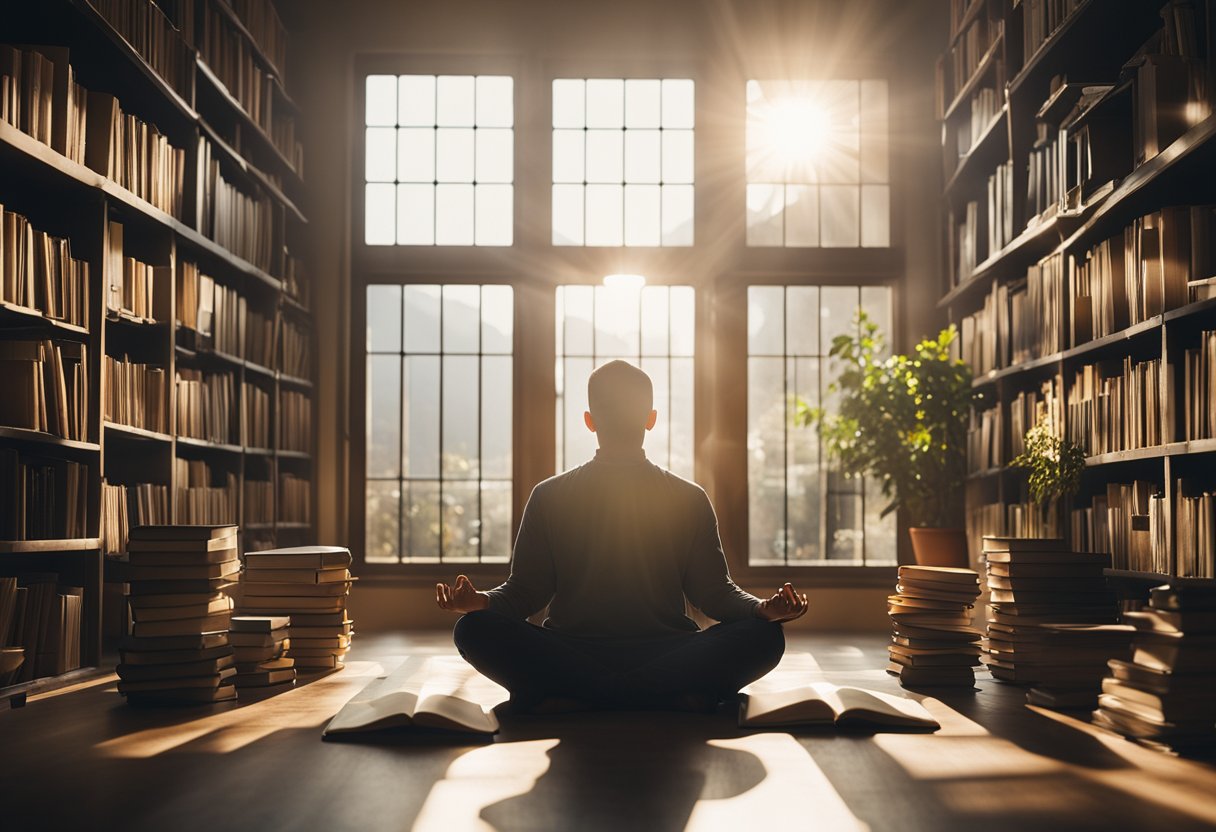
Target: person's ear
{"x": 588, "y": 421}
{"x": 651, "y": 419}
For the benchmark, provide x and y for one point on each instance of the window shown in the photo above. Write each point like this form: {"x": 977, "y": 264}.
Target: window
{"x": 439, "y": 423}
{"x": 651, "y": 327}
{"x": 799, "y": 510}
{"x": 817, "y": 164}
{"x": 622, "y": 162}
{"x": 439, "y": 160}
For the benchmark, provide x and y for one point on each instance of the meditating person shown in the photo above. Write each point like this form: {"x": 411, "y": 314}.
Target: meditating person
{"x": 614, "y": 547}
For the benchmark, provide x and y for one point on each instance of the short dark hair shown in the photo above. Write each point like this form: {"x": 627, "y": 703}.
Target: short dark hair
{"x": 620, "y": 397}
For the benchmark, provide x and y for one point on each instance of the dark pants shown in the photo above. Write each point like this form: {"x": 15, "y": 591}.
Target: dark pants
{"x": 534, "y": 663}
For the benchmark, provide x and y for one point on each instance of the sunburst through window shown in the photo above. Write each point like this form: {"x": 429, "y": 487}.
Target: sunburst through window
{"x": 817, "y": 166}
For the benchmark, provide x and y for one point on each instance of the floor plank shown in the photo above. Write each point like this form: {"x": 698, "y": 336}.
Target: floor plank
{"x": 83, "y": 758}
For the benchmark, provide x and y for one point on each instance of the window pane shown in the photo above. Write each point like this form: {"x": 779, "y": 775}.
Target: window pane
{"x": 568, "y": 156}
{"x": 604, "y": 215}
{"x": 657, "y": 442}
{"x": 454, "y": 101}
{"x": 495, "y": 101}
{"x": 383, "y": 318}
{"x": 495, "y": 522}
{"x": 677, "y": 215}
{"x": 802, "y": 320}
{"x": 382, "y": 510}
{"x": 496, "y": 424}
{"x": 461, "y": 522}
{"x": 764, "y": 220}
{"x": 876, "y": 303}
{"x": 421, "y": 318}
{"x": 420, "y": 416}
{"x": 568, "y": 103}
{"x": 605, "y": 156}
{"x": 494, "y": 155}
{"x": 415, "y": 214}
{"x": 494, "y": 209}
{"x": 642, "y": 156}
{"x": 454, "y": 215}
{"x": 461, "y": 413}
{"x": 497, "y": 319}
{"x": 765, "y": 320}
{"x": 454, "y": 155}
{"x": 838, "y": 314}
{"x": 416, "y": 154}
{"x": 804, "y": 507}
{"x": 579, "y": 442}
{"x": 383, "y": 403}
{"x": 765, "y": 460}
{"x": 874, "y": 164}
{"x": 656, "y": 317}
{"x": 567, "y": 215}
{"x": 802, "y": 215}
{"x": 422, "y": 521}
{"x": 617, "y": 321}
{"x": 578, "y": 304}
{"x": 380, "y": 106}
{"x": 379, "y": 216}
{"x": 683, "y": 320}
{"x": 642, "y": 103}
{"x": 461, "y": 318}
{"x": 839, "y": 212}
{"x": 681, "y": 398}
{"x": 875, "y": 216}
{"x": 642, "y": 215}
{"x": 417, "y": 101}
{"x": 381, "y": 152}
{"x": 678, "y": 104}
{"x": 677, "y": 156}
{"x": 605, "y": 102}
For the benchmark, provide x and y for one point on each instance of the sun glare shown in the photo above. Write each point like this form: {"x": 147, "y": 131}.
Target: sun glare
{"x": 796, "y": 129}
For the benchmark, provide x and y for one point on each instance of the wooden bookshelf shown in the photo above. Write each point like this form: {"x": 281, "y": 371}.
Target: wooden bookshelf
{"x": 73, "y": 201}
{"x": 1094, "y": 45}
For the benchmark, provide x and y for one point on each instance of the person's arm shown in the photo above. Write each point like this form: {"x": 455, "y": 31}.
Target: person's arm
{"x": 530, "y": 585}
{"x": 707, "y": 581}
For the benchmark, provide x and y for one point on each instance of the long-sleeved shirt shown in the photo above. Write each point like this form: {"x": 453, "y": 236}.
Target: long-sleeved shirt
{"x": 614, "y": 547}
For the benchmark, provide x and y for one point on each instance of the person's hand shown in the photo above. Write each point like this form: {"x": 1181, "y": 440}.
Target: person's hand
{"x": 462, "y": 597}
{"x": 785, "y": 605}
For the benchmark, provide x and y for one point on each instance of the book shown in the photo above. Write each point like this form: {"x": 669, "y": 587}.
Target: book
{"x": 166, "y": 546}
{"x": 821, "y": 703}
{"x": 259, "y": 624}
{"x": 149, "y": 672}
{"x": 184, "y": 532}
{"x": 172, "y": 613}
{"x": 212, "y": 556}
{"x": 175, "y": 657}
{"x": 182, "y": 696}
{"x": 215, "y": 622}
{"x": 256, "y": 574}
{"x": 225, "y": 570}
{"x": 438, "y": 692}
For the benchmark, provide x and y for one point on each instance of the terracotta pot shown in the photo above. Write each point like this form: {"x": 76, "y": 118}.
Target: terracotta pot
{"x": 939, "y": 547}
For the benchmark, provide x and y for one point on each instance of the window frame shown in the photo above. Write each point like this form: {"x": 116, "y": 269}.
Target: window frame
{"x": 534, "y": 267}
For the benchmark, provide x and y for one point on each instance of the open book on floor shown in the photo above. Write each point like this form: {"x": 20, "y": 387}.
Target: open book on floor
{"x": 436, "y": 692}
{"x": 821, "y": 703}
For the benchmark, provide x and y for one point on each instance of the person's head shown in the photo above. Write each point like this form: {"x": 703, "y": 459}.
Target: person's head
{"x": 621, "y": 398}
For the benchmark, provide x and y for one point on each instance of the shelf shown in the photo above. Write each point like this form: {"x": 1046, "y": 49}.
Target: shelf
{"x": 46, "y": 684}
{"x": 204, "y": 445}
{"x": 46, "y": 439}
{"x": 259, "y": 369}
{"x": 75, "y": 544}
{"x": 987, "y": 474}
{"x": 293, "y": 455}
{"x": 209, "y": 357}
{"x": 293, "y": 526}
{"x": 295, "y": 381}
{"x": 298, "y": 308}
{"x": 251, "y": 451}
{"x": 969, "y": 17}
{"x": 986, "y": 63}
{"x": 238, "y": 109}
{"x": 1137, "y": 454}
{"x": 123, "y": 319}
{"x": 13, "y": 315}
{"x": 250, "y": 170}
{"x": 25, "y": 151}
{"x": 257, "y": 527}
{"x": 1123, "y": 205}
{"x": 137, "y": 433}
{"x": 979, "y": 153}
{"x": 239, "y": 25}
{"x": 1133, "y": 575}
{"x": 1032, "y": 245}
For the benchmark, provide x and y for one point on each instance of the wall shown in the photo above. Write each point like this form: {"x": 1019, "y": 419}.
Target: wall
{"x": 793, "y": 37}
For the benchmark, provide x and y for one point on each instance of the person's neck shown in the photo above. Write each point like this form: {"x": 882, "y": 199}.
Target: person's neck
{"x": 620, "y": 454}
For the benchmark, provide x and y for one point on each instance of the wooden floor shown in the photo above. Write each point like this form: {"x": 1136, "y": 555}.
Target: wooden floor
{"x": 80, "y": 758}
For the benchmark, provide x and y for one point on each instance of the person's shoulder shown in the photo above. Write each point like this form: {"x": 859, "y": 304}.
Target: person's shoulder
{"x": 685, "y": 487}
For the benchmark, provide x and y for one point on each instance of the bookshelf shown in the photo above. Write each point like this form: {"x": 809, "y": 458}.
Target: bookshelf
{"x": 228, "y": 220}
{"x": 1093, "y": 300}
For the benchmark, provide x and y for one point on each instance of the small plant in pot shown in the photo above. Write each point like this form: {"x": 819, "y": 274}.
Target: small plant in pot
{"x": 1054, "y": 464}
{"x": 902, "y": 419}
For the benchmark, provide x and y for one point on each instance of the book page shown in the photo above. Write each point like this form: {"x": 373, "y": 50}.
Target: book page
{"x": 861, "y": 705}
{"x": 453, "y": 692}
{"x": 389, "y": 710}
{"x": 802, "y": 705}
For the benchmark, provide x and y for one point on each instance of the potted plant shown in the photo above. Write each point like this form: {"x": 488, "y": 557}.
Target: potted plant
{"x": 1054, "y": 463}
{"x": 902, "y": 419}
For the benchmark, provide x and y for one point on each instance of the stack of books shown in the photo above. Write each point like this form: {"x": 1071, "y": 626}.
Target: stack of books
{"x": 1083, "y": 648}
{"x": 1033, "y": 582}
{"x": 310, "y": 584}
{"x": 178, "y": 651}
{"x": 933, "y": 643}
{"x": 259, "y": 644}
{"x": 1162, "y": 698}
